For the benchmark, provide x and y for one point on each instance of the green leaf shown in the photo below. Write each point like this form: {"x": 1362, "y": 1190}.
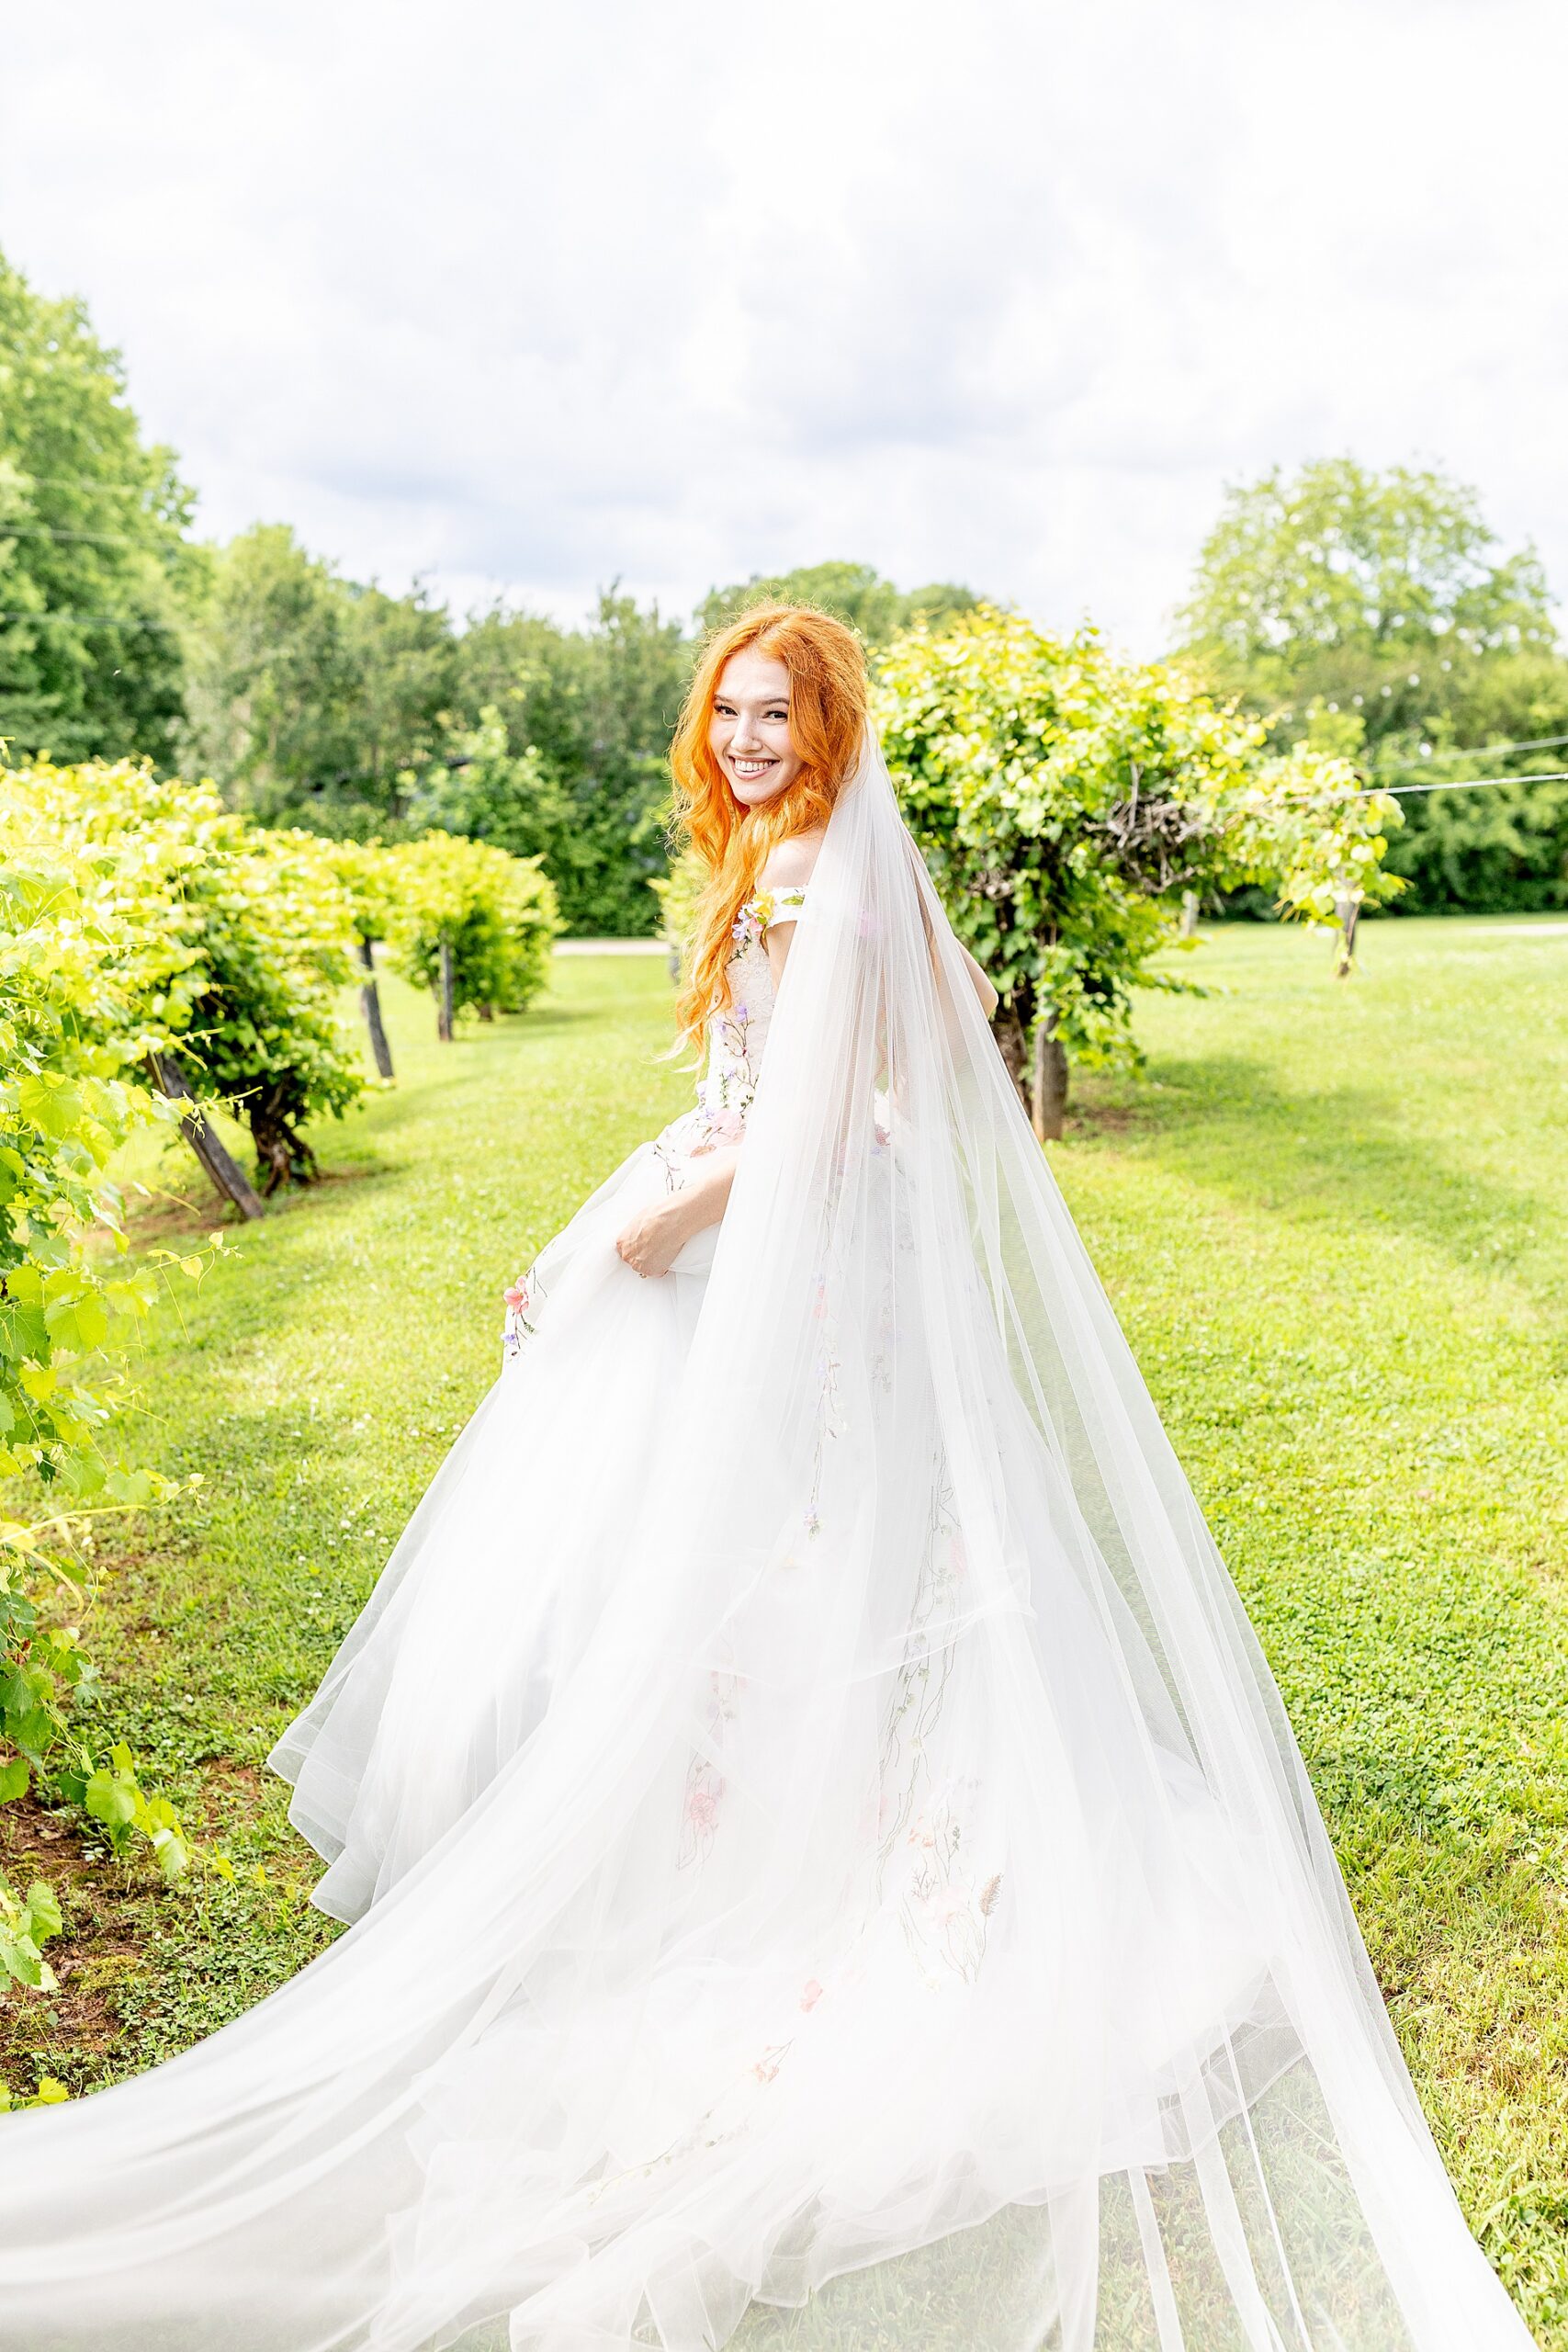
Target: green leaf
{"x": 41, "y": 1916}
{"x": 109, "y": 1800}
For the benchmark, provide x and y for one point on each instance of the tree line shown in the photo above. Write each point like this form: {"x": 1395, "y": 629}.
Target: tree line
{"x": 1371, "y": 616}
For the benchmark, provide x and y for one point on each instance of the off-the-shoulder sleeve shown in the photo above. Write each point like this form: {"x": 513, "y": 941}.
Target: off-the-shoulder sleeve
{"x": 783, "y": 906}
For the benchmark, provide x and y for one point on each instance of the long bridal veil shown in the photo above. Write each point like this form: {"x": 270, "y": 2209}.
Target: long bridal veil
{"x": 855, "y": 1889}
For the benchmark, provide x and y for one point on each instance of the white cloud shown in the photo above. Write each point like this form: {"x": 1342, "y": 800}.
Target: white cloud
{"x": 528, "y": 298}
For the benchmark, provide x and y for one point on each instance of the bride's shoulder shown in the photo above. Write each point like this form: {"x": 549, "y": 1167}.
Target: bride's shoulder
{"x": 789, "y": 866}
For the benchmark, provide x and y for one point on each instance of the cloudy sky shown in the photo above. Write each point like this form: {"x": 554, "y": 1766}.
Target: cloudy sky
{"x": 524, "y": 297}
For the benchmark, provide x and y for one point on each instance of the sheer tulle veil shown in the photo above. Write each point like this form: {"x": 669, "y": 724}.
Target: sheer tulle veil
{"x": 899, "y": 1918}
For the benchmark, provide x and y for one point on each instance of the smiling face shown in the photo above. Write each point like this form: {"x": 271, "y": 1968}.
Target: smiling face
{"x": 749, "y": 732}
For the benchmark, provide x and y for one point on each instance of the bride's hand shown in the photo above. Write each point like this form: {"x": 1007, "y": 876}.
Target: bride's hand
{"x": 653, "y": 1240}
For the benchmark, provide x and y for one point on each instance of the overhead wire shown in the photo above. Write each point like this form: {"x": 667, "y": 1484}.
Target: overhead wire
{"x": 1458, "y": 784}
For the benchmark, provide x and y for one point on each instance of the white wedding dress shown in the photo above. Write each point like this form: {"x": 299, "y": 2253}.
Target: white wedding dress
{"x": 829, "y": 1865}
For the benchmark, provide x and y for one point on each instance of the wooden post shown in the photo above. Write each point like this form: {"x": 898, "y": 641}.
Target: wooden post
{"x": 446, "y": 1009}
{"x": 203, "y": 1138}
{"x": 1189, "y": 914}
{"x": 1347, "y": 906}
{"x": 370, "y": 1004}
{"x": 1048, "y": 1107}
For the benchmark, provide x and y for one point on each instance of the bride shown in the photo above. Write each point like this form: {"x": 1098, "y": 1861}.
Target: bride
{"x": 830, "y": 1872}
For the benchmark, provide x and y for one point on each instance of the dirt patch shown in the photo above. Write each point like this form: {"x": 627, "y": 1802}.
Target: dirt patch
{"x": 1106, "y": 1118}
{"x": 107, "y": 1910}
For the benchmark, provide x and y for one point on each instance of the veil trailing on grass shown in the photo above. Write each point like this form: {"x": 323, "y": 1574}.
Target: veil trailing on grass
{"x": 828, "y": 1861}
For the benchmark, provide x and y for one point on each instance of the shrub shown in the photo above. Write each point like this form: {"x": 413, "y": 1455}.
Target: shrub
{"x": 87, "y": 958}
{"x": 245, "y": 938}
{"x": 1069, "y": 802}
{"x": 473, "y": 924}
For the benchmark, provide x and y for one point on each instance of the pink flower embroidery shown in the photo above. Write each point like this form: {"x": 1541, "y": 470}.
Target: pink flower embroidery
{"x": 517, "y": 1298}
{"x": 810, "y": 1994}
{"x": 702, "y": 1808}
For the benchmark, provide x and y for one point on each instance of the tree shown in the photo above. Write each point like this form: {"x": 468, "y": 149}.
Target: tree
{"x": 1376, "y": 592}
{"x": 1066, "y": 801}
{"x": 1373, "y": 614}
{"x": 312, "y": 696}
{"x": 93, "y": 560}
{"x": 854, "y": 593}
{"x": 482, "y": 788}
{"x": 269, "y": 676}
{"x": 595, "y": 708}
{"x": 402, "y": 658}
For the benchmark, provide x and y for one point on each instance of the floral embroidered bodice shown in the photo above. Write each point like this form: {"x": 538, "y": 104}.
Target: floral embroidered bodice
{"x": 738, "y": 1032}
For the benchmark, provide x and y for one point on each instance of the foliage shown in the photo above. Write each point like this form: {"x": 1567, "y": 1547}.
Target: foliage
{"x": 486, "y": 791}
{"x": 1378, "y": 593}
{"x": 1371, "y": 615}
{"x": 71, "y": 951}
{"x": 1505, "y": 846}
{"x": 367, "y": 875}
{"x": 311, "y": 695}
{"x": 1309, "y": 832}
{"x": 596, "y": 707}
{"x": 495, "y": 913}
{"x": 50, "y": 2093}
{"x": 1502, "y": 849}
{"x": 113, "y": 1795}
{"x": 94, "y": 563}
{"x": 245, "y": 937}
{"x": 265, "y": 1036}
{"x": 88, "y": 976}
{"x": 1066, "y": 801}
{"x": 26, "y": 1923}
{"x": 677, "y": 893}
{"x": 232, "y": 964}
{"x": 850, "y": 592}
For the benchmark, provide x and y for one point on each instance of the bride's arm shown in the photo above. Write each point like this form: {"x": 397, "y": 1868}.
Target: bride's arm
{"x": 656, "y": 1236}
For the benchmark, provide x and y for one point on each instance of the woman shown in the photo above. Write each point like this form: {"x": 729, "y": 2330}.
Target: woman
{"x": 829, "y": 1865}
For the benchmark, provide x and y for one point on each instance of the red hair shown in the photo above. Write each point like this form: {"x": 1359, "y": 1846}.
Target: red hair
{"x": 730, "y": 841}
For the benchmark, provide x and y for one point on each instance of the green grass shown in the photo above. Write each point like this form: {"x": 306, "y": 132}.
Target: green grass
{"x": 1335, "y": 1221}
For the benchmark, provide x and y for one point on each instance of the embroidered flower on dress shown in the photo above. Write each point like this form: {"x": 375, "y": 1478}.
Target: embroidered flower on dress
{"x": 522, "y": 1298}
{"x": 702, "y": 1807}
{"x": 750, "y": 925}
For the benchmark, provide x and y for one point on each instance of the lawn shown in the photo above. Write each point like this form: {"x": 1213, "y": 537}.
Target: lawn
{"x": 1335, "y": 1221}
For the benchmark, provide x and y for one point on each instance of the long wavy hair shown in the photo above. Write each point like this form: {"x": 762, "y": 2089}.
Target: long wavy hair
{"x": 731, "y": 843}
